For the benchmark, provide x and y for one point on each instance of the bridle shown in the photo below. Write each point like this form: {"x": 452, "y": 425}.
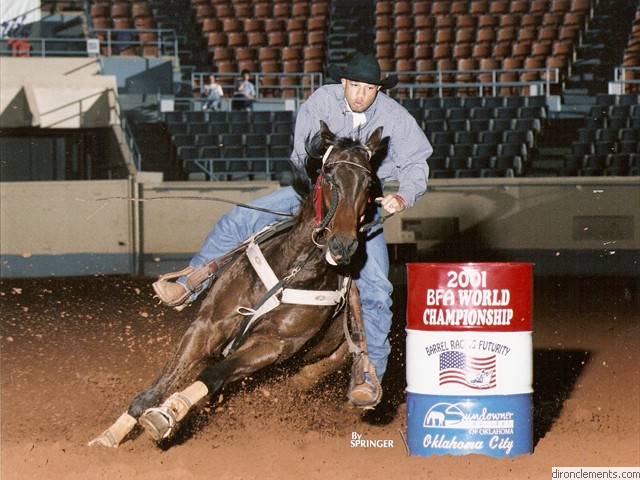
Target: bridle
{"x": 323, "y": 222}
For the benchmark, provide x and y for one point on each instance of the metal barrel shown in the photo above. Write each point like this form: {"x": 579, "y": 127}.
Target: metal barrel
{"x": 469, "y": 359}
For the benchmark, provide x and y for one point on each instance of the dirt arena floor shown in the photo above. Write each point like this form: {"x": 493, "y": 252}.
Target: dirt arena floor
{"x": 76, "y": 350}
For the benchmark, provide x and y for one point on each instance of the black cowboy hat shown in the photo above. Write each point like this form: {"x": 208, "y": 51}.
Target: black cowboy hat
{"x": 362, "y": 68}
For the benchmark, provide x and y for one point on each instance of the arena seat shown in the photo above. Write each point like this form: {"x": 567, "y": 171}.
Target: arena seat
{"x": 519, "y": 7}
{"x": 479, "y": 7}
{"x": 513, "y": 162}
{"x": 539, "y": 6}
{"x": 481, "y": 113}
{"x": 498, "y": 7}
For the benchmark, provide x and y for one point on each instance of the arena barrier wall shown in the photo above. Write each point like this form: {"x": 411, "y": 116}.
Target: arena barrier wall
{"x": 59, "y": 228}
{"x": 563, "y": 225}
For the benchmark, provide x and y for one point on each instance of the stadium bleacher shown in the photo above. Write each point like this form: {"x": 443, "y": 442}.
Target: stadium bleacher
{"x": 232, "y": 145}
{"x": 477, "y": 76}
{"x": 608, "y": 143}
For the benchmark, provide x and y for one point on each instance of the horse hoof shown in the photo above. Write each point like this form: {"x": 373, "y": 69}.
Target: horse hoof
{"x": 103, "y": 440}
{"x": 158, "y": 422}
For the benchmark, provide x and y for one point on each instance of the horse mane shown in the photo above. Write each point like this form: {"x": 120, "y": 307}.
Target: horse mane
{"x": 305, "y": 177}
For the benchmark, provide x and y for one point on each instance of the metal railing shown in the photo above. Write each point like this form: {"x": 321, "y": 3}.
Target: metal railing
{"x": 439, "y": 81}
{"x": 159, "y": 42}
{"x": 627, "y": 75}
{"x": 285, "y": 85}
{"x": 43, "y": 47}
{"x": 220, "y": 169}
{"x": 442, "y": 80}
{"x": 109, "y": 42}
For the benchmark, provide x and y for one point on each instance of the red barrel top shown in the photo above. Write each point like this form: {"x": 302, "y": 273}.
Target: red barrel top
{"x": 495, "y": 297}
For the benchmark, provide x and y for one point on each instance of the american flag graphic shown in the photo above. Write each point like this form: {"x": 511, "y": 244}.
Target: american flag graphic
{"x": 474, "y": 372}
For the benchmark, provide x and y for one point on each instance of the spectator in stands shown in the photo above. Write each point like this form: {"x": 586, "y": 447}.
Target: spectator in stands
{"x": 353, "y": 107}
{"x": 245, "y": 93}
{"x": 214, "y": 94}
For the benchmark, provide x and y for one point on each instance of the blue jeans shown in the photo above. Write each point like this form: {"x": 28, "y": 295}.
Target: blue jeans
{"x": 373, "y": 282}
{"x": 212, "y": 103}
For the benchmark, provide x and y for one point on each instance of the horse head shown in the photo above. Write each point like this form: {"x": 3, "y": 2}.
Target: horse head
{"x": 342, "y": 189}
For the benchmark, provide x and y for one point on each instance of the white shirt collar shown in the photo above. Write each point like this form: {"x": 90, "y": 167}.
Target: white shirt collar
{"x": 358, "y": 118}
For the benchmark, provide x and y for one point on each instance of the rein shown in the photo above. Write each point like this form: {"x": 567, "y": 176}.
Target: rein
{"x": 378, "y": 221}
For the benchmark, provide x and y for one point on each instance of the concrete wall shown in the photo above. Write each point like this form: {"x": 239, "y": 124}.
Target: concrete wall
{"x": 141, "y": 75}
{"x": 565, "y": 226}
{"x": 570, "y": 225}
{"x": 58, "y": 228}
{"x": 56, "y": 93}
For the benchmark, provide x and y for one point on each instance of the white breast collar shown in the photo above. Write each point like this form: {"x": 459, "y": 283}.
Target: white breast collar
{"x": 287, "y": 295}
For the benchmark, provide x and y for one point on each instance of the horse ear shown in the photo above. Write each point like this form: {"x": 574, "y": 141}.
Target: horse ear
{"x": 374, "y": 139}
{"x": 327, "y": 135}
{"x": 378, "y": 146}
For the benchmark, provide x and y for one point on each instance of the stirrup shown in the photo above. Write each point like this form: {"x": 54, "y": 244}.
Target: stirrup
{"x": 162, "y": 294}
{"x": 195, "y": 278}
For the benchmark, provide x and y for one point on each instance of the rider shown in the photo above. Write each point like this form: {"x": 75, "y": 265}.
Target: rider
{"x": 354, "y": 107}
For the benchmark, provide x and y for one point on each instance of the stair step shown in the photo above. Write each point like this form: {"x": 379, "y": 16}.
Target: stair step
{"x": 552, "y": 163}
{"x": 543, "y": 173}
{"x": 553, "y": 152}
{"x": 578, "y": 99}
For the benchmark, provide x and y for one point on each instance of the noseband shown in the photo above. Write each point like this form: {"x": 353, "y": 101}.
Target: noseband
{"x": 322, "y": 222}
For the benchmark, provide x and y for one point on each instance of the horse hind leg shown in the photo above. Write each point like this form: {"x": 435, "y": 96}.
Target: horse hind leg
{"x": 256, "y": 353}
{"x": 311, "y": 374}
{"x": 328, "y": 355}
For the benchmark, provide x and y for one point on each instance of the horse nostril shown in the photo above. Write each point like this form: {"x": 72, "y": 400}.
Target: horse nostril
{"x": 342, "y": 248}
{"x": 353, "y": 247}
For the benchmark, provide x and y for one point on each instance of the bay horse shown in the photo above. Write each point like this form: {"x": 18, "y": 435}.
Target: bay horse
{"x": 308, "y": 262}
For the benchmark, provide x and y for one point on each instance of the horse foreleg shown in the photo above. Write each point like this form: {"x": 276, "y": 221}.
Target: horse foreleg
{"x": 200, "y": 340}
{"x": 160, "y": 421}
{"x": 256, "y": 353}
{"x": 113, "y": 435}
{"x": 331, "y": 352}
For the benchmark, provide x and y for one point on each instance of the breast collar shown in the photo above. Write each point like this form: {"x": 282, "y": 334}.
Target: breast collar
{"x": 281, "y": 295}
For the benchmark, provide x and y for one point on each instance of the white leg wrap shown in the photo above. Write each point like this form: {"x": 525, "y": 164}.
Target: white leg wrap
{"x": 115, "y": 433}
{"x": 181, "y": 402}
{"x": 160, "y": 421}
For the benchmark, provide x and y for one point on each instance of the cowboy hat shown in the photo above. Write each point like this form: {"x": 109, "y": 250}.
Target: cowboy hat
{"x": 362, "y": 68}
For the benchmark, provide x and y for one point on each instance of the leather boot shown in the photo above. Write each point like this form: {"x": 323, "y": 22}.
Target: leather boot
{"x": 364, "y": 395}
{"x": 364, "y": 388}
